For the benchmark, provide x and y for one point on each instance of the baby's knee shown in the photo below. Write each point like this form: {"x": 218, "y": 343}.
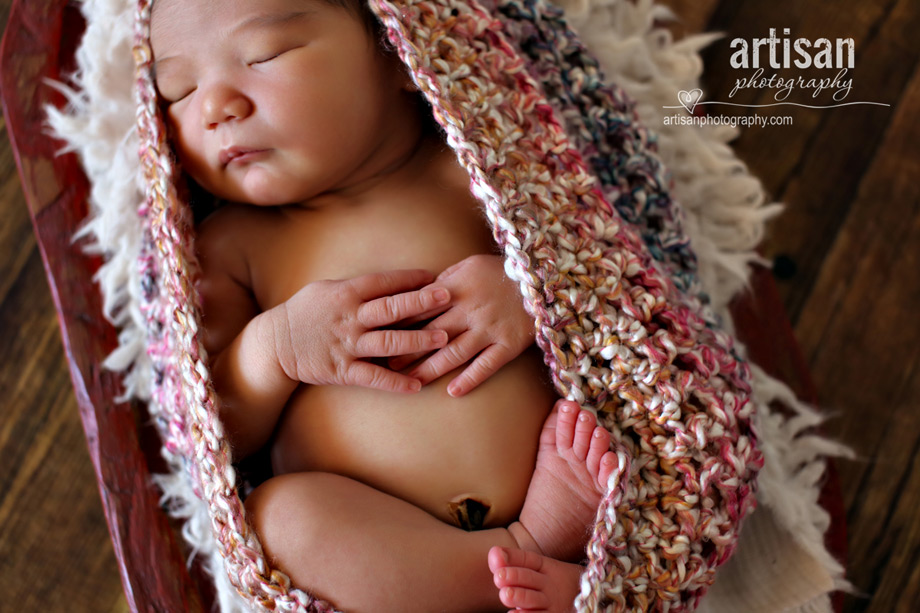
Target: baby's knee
{"x": 291, "y": 515}
{"x": 314, "y": 528}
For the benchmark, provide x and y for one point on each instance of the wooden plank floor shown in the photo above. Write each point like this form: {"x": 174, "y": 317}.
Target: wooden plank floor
{"x": 848, "y": 250}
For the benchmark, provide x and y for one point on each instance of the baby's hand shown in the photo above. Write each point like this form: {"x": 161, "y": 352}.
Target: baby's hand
{"x": 323, "y": 331}
{"x": 485, "y": 317}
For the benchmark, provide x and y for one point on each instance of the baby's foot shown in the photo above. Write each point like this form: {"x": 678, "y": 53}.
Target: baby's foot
{"x": 528, "y": 581}
{"x": 573, "y": 463}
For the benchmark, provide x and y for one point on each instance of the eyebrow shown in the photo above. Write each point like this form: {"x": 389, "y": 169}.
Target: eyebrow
{"x": 269, "y": 19}
{"x": 272, "y": 19}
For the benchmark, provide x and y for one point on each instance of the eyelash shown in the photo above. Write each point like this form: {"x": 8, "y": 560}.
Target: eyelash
{"x": 268, "y": 59}
{"x": 181, "y": 98}
{"x": 280, "y": 53}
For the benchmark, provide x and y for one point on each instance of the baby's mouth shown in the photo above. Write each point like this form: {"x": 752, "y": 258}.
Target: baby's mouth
{"x": 238, "y": 155}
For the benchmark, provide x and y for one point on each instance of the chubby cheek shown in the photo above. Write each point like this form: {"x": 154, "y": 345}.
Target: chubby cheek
{"x": 189, "y": 149}
{"x": 317, "y": 116}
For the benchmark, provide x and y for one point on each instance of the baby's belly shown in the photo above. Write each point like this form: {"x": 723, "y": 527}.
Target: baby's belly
{"x": 426, "y": 448}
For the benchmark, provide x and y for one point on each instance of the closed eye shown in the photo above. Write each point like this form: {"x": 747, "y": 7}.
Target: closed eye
{"x": 273, "y": 56}
{"x": 175, "y": 99}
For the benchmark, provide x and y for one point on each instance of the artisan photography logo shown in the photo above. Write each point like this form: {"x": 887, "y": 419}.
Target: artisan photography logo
{"x": 760, "y": 61}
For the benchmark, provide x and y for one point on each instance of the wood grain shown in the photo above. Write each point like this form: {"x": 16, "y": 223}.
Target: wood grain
{"x": 55, "y": 552}
{"x": 860, "y": 329}
{"x": 852, "y": 227}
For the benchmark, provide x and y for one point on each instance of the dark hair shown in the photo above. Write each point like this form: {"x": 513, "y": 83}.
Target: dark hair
{"x": 362, "y": 11}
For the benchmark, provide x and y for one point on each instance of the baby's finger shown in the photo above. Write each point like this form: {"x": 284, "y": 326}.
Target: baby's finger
{"x": 390, "y": 282}
{"x": 456, "y": 354}
{"x": 452, "y": 322}
{"x": 365, "y": 374}
{"x": 383, "y": 343}
{"x": 484, "y": 366}
{"x": 391, "y": 309}
{"x": 416, "y": 319}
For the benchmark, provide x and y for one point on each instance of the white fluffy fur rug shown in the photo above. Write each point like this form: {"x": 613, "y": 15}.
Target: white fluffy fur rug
{"x": 781, "y": 563}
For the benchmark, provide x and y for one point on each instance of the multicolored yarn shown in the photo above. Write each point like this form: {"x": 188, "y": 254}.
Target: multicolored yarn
{"x": 601, "y": 121}
{"x": 611, "y": 288}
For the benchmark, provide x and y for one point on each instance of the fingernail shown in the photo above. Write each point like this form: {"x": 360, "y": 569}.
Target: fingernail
{"x": 439, "y": 336}
{"x": 453, "y": 390}
{"x": 504, "y": 555}
{"x": 565, "y": 407}
{"x": 415, "y": 385}
{"x": 440, "y": 295}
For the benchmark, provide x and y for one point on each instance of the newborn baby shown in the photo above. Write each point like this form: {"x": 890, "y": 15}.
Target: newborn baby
{"x": 358, "y": 321}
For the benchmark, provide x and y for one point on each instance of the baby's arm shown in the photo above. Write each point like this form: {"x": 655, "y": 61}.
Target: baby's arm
{"x": 318, "y": 336}
{"x": 231, "y": 331}
{"x": 485, "y": 319}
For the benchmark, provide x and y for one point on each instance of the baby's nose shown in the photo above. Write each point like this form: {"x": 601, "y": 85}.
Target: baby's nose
{"x": 222, "y": 104}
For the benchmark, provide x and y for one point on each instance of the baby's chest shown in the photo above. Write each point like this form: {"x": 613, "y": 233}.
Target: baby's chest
{"x": 353, "y": 241}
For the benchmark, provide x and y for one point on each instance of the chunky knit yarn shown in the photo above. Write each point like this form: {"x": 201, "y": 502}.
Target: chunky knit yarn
{"x": 579, "y": 204}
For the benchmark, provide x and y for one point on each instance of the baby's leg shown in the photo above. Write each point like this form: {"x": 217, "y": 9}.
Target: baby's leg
{"x": 364, "y": 550}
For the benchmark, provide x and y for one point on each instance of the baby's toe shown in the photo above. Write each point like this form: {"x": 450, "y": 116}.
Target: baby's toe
{"x": 523, "y": 598}
{"x": 583, "y": 429}
{"x": 565, "y": 424}
{"x": 607, "y": 466}
{"x": 517, "y": 576}
{"x": 600, "y": 444}
{"x": 506, "y": 556}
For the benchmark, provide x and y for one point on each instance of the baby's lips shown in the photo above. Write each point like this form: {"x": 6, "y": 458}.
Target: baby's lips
{"x": 226, "y": 155}
{"x": 231, "y": 153}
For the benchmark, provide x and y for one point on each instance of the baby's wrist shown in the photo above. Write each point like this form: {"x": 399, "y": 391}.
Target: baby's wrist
{"x": 275, "y": 334}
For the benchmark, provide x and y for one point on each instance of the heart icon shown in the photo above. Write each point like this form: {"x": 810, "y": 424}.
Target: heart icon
{"x": 689, "y": 99}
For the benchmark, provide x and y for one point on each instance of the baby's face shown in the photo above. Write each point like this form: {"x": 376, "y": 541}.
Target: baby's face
{"x": 277, "y": 101}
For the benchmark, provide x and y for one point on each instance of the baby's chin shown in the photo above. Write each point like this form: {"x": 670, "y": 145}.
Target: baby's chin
{"x": 263, "y": 195}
